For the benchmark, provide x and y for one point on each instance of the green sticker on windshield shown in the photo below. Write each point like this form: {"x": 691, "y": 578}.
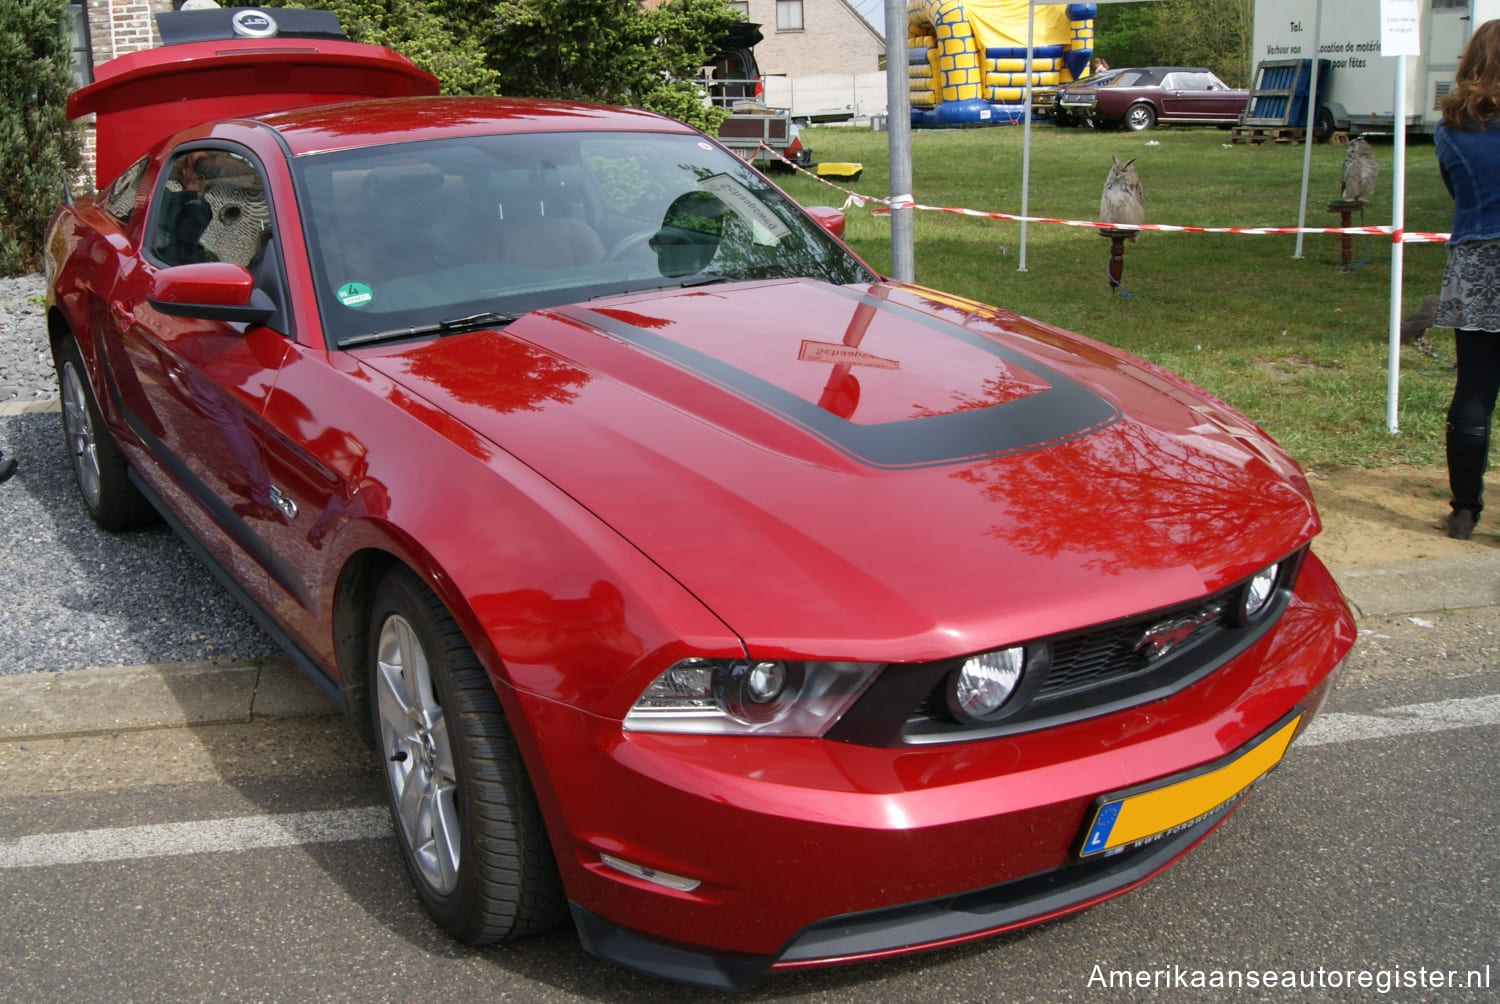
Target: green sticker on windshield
{"x": 354, "y": 294}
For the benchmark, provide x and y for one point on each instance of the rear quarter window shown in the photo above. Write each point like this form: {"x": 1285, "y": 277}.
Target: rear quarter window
{"x": 123, "y": 195}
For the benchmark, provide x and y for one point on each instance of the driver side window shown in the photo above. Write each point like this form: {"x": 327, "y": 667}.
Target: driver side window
{"x": 212, "y": 207}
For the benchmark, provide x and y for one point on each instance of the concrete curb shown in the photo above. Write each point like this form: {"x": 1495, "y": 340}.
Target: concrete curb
{"x": 29, "y": 407}
{"x": 138, "y": 698}
{"x": 183, "y": 695}
{"x": 1408, "y": 587}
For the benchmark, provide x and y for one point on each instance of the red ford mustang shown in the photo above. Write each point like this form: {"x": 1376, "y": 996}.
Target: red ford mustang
{"x": 689, "y": 578}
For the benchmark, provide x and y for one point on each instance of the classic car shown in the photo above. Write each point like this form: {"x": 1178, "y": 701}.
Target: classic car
{"x": 690, "y": 580}
{"x": 1141, "y": 97}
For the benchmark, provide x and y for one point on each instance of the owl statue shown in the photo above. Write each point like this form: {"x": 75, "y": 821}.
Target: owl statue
{"x": 1360, "y": 171}
{"x": 1122, "y": 201}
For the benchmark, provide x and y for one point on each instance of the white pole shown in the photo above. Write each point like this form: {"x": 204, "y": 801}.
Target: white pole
{"x": 1026, "y": 131}
{"x": 898, "y": 141}
{"x": 1398, "y": 225}
{"x": 1312, "y": 115}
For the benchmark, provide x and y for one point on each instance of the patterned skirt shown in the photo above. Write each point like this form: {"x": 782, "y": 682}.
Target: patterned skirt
{"x": 1471, "y": 287}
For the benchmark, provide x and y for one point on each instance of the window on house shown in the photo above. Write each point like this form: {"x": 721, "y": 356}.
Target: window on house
{"x": 743, "y": 6}
{"x": 788, "y": 15}
{"x": 81, "y": 59}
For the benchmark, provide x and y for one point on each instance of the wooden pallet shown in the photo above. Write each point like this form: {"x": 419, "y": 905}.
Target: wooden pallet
{"x": 1257, "y": 135}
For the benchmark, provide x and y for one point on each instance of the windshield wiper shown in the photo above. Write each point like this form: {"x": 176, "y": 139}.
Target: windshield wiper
{"x": 698, "y": 279}
{"x": 484, "y": 319}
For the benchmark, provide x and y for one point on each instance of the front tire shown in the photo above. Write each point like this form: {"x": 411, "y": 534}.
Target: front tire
{"x": 99, "y": 468}
{"x": 464, "y": 811}
{"x": 1139, "y": 117}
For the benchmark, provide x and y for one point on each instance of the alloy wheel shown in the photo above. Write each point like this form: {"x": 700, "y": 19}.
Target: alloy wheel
{"x": 83, "y": 445}
{"x": 418, "y": 755}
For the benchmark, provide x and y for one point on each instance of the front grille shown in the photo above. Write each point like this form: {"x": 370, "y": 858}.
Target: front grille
{"x": 1113, "y": 652}
{"x": 1088, "y": 672}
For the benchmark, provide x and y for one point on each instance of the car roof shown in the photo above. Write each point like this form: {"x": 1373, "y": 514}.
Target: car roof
{"x": 1155, "y": 71}
{"x": 328, "y": 128}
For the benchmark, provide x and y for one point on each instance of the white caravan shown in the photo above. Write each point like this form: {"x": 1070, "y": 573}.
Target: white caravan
{"x": 1360, "y": 90}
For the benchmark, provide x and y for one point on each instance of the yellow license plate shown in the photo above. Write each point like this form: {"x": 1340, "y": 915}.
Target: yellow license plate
{"x": 1128, "y": 819}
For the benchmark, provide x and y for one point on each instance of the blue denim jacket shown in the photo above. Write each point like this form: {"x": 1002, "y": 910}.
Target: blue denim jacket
{"x": 1470, "y": 162}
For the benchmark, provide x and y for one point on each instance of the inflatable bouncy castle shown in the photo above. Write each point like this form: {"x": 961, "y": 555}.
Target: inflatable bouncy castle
{"x": 967, "y": 58}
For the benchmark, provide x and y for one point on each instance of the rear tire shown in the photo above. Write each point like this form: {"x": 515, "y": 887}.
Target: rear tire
{"x": 465, "y": 814}
{"x": 99, "y": 468}
{"x": 1325, "y": 125}
{"x": 1139, "y": 117}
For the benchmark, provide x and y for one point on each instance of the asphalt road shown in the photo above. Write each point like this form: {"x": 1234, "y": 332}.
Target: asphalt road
{"x": 251, "y": 861}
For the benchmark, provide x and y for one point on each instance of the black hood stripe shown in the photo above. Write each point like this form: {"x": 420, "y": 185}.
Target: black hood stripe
{"x": 1065, "y": 410}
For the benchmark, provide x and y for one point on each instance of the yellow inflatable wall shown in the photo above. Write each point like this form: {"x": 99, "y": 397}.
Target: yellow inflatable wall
{"x": 967, "y": 58}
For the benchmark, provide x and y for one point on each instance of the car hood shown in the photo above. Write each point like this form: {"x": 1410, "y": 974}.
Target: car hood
{"x": 819, "y": 463}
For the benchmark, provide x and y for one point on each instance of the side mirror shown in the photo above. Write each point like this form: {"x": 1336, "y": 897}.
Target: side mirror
{"x": 211, "y": 290}
{"x": 828, "y": 218}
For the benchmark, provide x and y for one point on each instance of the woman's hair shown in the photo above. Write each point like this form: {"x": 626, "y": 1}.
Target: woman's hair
{"x": 1475, "y": 97}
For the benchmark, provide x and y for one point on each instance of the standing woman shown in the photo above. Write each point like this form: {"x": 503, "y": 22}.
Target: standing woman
{"x": 1468, "y": 150}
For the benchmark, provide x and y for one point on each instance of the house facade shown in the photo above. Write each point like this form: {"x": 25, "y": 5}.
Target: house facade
{"x": 806, "y": 37}
{"x": 819, "y": 57}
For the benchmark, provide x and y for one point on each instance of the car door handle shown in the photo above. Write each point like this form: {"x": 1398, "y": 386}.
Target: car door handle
{"x": 123, "y": 313}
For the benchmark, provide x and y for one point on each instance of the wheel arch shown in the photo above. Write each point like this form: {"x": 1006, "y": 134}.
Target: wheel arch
{"x": 58, "y": 327}
{"x": 354, "y": 596}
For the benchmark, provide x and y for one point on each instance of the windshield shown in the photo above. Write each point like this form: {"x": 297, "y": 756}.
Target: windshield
{"x": 411, "y": 234}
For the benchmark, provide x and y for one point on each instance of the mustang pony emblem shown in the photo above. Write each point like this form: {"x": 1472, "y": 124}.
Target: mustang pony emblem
{"x": 1162, "y": 638}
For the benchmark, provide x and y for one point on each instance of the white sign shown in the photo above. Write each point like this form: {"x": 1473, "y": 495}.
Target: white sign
{"x": 1400, "y": 28}
{"x": 766, "y": 227}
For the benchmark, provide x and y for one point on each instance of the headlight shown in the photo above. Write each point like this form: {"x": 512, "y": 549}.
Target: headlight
{"x": 1257, "y": 594}
{"x": 980, "y": 687}
{"x": 749, "y": 696}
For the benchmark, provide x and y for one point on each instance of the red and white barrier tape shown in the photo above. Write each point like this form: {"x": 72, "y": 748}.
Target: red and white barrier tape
{"x": 884, "y": 206}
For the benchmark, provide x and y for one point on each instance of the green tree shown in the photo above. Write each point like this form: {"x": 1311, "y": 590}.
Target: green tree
{"x": 421, "y": 30}
{"x": 37, "y": 142}
{"x": 609, "y": 51}
{"x": 1211, "y": 33}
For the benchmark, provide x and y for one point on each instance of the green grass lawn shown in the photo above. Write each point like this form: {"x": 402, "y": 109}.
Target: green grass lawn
{"x": 1298, "y": 345}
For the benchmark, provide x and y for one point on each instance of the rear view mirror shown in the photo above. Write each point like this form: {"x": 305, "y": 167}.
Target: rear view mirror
{"x": 829, "y": 218}
{"x": 212, "y": 290}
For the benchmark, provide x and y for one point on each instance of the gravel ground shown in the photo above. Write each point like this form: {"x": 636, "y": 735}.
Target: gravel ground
{"x": 71, "y": 595}
{"x": 25, "y": 363}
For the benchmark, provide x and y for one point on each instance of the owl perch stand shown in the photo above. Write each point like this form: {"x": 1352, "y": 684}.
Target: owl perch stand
{"x": 1346, "y": 210}
{"x": 1117, "y": 238}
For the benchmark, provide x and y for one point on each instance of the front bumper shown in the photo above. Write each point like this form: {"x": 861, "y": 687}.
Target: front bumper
{"x": 906, "y": 927}
{"x": 809, "y": 852}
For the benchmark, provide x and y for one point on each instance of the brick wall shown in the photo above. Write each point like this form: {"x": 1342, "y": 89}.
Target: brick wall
{"x": 117, "y": 27}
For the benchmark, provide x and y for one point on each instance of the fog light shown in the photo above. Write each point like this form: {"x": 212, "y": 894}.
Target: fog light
{"x": 983, "y": 684}
{"x": 1258, "y": 592}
